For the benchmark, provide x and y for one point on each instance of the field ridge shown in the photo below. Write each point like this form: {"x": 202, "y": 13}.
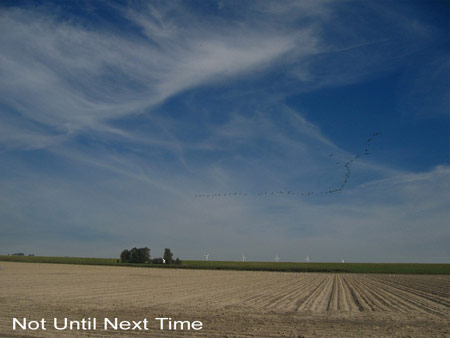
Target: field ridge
{"x": 383, "y": 268}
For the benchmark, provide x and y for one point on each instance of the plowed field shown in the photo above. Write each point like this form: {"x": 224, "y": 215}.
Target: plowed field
{"x": 229, "y": 303}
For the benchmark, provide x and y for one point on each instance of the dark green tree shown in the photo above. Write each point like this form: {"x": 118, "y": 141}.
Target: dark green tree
{"x": 144, "y": 255}
{"x": 168, "y": 256}
{"x": 141, "y": 255}
{"x": 125, "y": 256}
{"x": 135, "y": 255}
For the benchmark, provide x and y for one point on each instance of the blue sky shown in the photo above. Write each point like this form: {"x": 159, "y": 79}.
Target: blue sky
{"x": 114, "y": 115}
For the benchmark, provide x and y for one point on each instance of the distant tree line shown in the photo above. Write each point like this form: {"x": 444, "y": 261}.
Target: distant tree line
{"x": 142, "y": 256}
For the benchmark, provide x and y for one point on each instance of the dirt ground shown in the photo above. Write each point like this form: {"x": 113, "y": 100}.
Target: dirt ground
{"x": 228, "y": 303}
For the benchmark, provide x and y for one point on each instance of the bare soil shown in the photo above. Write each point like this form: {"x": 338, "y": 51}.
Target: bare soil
{"x": 229, "y": 303}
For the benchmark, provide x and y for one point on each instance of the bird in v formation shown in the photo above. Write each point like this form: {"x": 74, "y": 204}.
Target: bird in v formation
{"x": 347, "y": 175}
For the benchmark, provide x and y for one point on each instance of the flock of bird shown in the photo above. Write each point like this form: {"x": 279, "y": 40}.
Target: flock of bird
{"x": 347, "y": 166}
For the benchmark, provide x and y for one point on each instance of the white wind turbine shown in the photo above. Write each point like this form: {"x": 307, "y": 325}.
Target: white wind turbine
{"x": 307, "y": 259}
{"x": 276, "y": 259}
{"x": 206, "y": 256}
{"x": 342, "y": 261}
{"x": 243, "y": 258}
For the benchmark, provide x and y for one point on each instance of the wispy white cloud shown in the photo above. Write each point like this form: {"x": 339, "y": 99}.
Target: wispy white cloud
{"x": 93, "y": 76}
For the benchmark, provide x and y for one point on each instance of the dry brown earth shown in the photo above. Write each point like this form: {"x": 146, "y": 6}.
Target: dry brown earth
{"x": 229, "y": 303}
